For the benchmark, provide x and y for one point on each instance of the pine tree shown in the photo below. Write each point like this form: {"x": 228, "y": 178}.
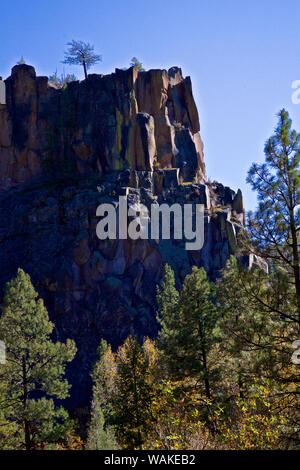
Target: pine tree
{"x": 136, "y": 63}
{"x": 188, "y": 327}
{"x": 100, "y": 435}
{"x": 274, "y": 227}
{"x": 35, "y": 366}
{"x": 81, "y": 53}
{"x": 256, "y": 341}
{"x": 251, "y": 331}
{"x": 167, "y": 315}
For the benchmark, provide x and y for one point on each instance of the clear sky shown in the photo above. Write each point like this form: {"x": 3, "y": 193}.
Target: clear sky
{"x": 242, "y": 56}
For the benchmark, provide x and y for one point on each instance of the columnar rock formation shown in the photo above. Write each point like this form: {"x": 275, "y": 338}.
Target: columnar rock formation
{"x": 2, "y": 92}
{"x": 129, "y": 119}
{"x": 65, "y": 151}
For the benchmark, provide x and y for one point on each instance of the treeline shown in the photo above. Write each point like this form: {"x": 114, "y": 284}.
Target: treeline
{"x": 220, "y": 374}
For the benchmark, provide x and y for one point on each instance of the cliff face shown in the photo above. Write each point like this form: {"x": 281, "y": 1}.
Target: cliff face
{"x": 64, "y": 152}
{"x": 129, "y": 119}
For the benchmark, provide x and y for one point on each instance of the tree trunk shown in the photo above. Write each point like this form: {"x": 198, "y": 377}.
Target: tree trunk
{"x": 293, "y": 228}
{"x": 240, "y": 385}
{"x": 296, "y": 268}
{"x": 204, "y": 358}
{"x": 136, "y": 400}
{"x": 25, "y": 398}
{"x": 206, "y": 381}
{"x": 85, "y": 69}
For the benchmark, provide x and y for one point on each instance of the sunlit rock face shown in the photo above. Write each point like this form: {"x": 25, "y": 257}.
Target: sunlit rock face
{"x": 63, "y": 152}
{"x": 129, "y": 119}
{"x": 2, "y": 92}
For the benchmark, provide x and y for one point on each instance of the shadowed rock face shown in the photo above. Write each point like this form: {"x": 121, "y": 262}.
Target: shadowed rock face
{"x": 133, "y": 133}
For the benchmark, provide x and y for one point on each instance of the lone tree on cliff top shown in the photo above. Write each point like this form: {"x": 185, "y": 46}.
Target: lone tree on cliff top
{"x": 136, "y": 63}
{"x": 81, "y": 53}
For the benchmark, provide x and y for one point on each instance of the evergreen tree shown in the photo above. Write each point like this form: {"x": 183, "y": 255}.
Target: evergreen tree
{"x": 274, "y": 227}
{"x": 136, "y": 63}
{"x": 81, "y": 53}
{"x": 188, "y": 326}
{"x": 256, "y": 341}
{"x": 34, "y": 367}
{"x": 250, "y": 329}
{"x": 167, "y": 316}
{"x": 100, "y": 435}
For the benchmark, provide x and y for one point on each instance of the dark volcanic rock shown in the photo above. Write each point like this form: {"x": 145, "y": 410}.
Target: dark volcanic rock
{"x": 103, "y": 123}
{"x": 63, "y": 152}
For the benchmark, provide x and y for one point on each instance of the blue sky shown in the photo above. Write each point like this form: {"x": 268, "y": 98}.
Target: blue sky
{"x": 242, "y": 57}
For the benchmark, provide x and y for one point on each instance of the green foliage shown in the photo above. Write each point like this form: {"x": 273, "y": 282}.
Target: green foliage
{"x": 62, "y": 80}
{"x": 274, "y": 227}
{"x": 225, "y": 378}
{"x": 256, "y": 424}
{"x": 136, "y": 63}
{"x": 133, "y": 394}
{"x": 178, "y": 424}
{"x": 257, "y": 339}
{"x": 34, "y": 364}
{"x": 101, "y": 435}
{"x": 81, "y": 53}
{"x": 188, "y": 324}
{"x": 167, "y": 301}
{"x": 251, "y": 331}
{"x": 125, "y": 384}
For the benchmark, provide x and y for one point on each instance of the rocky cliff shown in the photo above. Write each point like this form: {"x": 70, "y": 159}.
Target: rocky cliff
{"x": 65, "y": 151}
{"x": 129, "y": 119}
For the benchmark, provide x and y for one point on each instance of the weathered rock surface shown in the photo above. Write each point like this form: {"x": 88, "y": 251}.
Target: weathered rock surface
{"x": 62, "y": 154}
{"x": 128, "y": 119}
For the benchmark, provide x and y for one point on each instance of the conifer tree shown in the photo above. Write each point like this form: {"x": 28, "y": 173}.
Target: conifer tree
{"x": 167, "y": 315}
{"x": 136, "y": 63}
{"x": 261, "y": 312}
{"x": 252, "y": 334}
{"x": 188, "y": 325}
{"x": 100, "y": 435}
{"x": 275, "y": 226}
{"x": 34, "y": 367}
{"x": 256, "y": 346}
{"x": 81, "y": 53}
